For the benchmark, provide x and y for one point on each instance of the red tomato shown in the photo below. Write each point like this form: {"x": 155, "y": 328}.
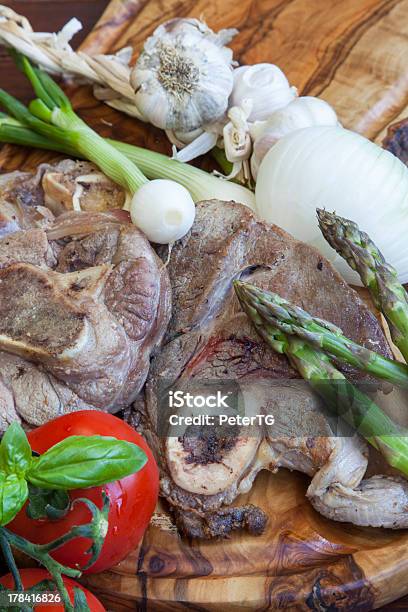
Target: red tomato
{"x": 132, "y": 499}
{"x": 30, "y": 577}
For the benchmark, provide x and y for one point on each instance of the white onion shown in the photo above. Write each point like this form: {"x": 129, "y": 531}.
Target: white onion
{"x": 336, "y": 169}
{"x": 163, "y": 210}
{"x": 302, "y": 112}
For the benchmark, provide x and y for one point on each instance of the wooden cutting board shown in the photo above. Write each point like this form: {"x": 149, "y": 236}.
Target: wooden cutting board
{"x": 353, "y": 54}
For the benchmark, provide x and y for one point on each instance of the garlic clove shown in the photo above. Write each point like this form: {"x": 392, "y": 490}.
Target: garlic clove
{"x": 151, "y": 100}
{"x": 163, "y": 209}
{"x": 237, "y": 141}
{"x": 182, "y": 139}
{"x": 183, "y": 77}
{"x": 200, "y": 146}
{"x": 237, "y": 147}
{"x": 264, "y": 84}
{"x": 254, "y": 163}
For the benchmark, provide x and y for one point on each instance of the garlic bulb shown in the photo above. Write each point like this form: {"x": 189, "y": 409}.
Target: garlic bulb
{"x": 265, "y": 85}
{"x": 302, "y": 112}
{"x": 183, "y": 77}
{"x": 163, "y": 210}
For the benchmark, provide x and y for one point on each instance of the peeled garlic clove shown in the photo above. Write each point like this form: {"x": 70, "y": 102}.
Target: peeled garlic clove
{"x": 237, "y": 141}
{"x": 302, "y": 112}
{"x": 237, "y": 146}
{"x": 164, "y": 210}
{"x": 183, "y": 77}
{"x": 264, "y": 84}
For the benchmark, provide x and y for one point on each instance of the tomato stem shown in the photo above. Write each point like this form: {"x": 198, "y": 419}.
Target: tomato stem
{"x": 95, "y": 530}
{"x": 9, "y": 558}
{"x": 40, "y": 553}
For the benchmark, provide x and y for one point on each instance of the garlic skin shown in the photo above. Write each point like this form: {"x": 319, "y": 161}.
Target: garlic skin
{"x": 302, "y": 112}
{"x": 163, "y": 209}
{"x": 264, "y": 84}
{"x": 183, "y": 77}
{"x": 182, "y": 139}
{"x": 200, "y": 146}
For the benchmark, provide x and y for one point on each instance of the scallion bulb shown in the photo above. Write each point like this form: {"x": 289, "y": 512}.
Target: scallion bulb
{"x": 163, "y": 210}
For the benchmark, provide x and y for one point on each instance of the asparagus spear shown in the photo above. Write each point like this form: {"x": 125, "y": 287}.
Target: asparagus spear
{"x": 376, "y": 274}
{"x": 341, "y": 396}
{"x": 292, "y": 320}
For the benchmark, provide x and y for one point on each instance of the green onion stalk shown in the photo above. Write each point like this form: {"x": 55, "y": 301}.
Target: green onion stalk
{"x": 340, "y": 395}
{"x": 200, "y": 184}
{"x": 50, "y": 123}
{"x": 51, "y": 115}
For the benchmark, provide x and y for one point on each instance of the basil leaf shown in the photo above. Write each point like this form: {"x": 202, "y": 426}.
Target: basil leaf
{"x": 47, "y": 503}
{"x": 13, "y": 495}
{"x": 79, "y": 462}
{"x": 15, "y": 451}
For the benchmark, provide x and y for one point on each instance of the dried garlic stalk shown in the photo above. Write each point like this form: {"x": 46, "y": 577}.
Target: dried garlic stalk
{"x": 185, "y": 83}
{"x": 108, "y": 73}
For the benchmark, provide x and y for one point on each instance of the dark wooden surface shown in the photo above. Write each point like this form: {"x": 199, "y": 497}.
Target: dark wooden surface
{"x": 51, "y": 15}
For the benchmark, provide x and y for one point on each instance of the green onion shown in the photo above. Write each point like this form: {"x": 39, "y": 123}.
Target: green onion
{"x": 51, "y": 115}
{"x": 50, "y": 123}
{"x": 13, "y": 131}
{"x": 201, "y": 185}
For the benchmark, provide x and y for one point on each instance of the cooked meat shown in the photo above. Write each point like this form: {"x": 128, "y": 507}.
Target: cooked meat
{"x": 396, "y": 140}
{"x": 82, "y": 307}
{"x": 22, "y": 202}
{"x": 75, "y": 185}
{"x": 28, "y": 298}
{"x": 31, "y": 200}
{"x": 221, "y": 523}
{"x": 30, "y": 246}
{"x": 379, "y": 501}
{"x": 8, "y": 412}
{"x": 33, "y": 394}
{"x": 211, "y": 339}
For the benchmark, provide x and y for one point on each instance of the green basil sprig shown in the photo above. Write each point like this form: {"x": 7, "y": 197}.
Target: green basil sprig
{"x": 13, "y": 495}
{"x": 15, "y": 451}
{"x": 78, "y": 462}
